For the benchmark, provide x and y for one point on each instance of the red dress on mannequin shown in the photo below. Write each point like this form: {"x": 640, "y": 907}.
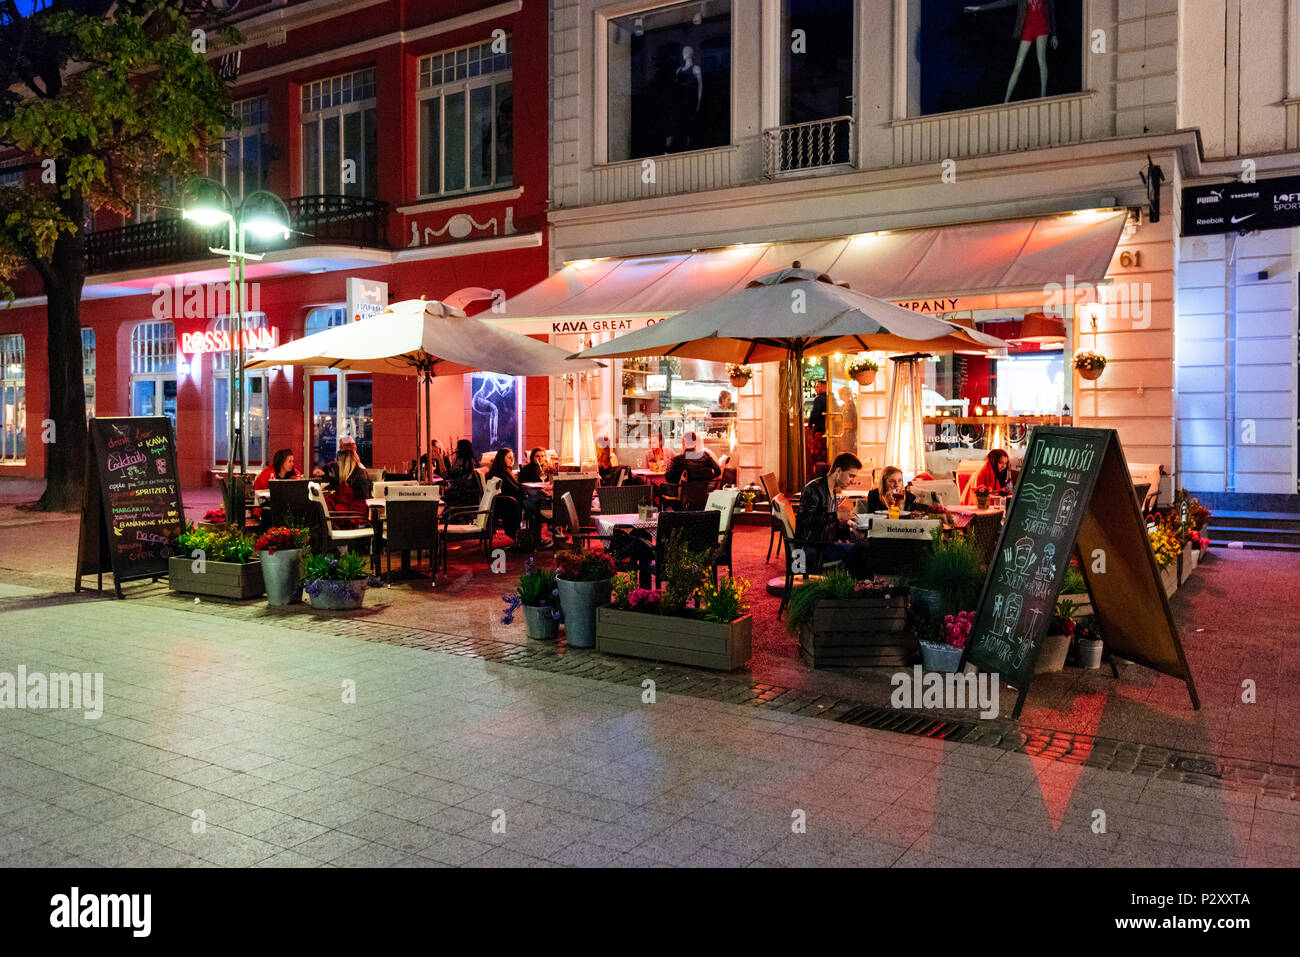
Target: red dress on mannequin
{"x": 1035, "y": 22}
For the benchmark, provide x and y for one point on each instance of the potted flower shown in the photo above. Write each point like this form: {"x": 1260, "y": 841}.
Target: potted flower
{"x": 946, "y": 655}
{"x": 841, "y": 622}
{"x": 950, "y": 577}
{"x": 689, "y": 621}
{"x": 863, "y": 369}
{"x": 739, "y": 374}
{"x": 1088, "y": 641}
{"x": 334, "y": 582}
{"x": 1166, "y": 548}
{"x": 582, "y": 579}
{"x": 1089, "y": 363}
{"x": 215, "y": 561}
{"x": 215, "y": 517}
{"x": 280, "y": 550}
{"x": 982, "y": 496}
{"x": 1056, "y": 644}
{"x": 539, "y": 597}
{"x": 747, "y": 499}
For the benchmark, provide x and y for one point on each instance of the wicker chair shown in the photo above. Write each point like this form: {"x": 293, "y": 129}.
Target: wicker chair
{"x": 699, "y": 531}
{"x": 770, "y": 491}
{"x": 470, "y": 523}
{"x": 622, "y": 499}
{"x": 724, "y": 500}
{"x": 290, "y": 502}
{"x": 340, "y": 537}
{"x": 411, "y": 526}
{"x": 986, "y": 530}
{"x": 813, "y": 564}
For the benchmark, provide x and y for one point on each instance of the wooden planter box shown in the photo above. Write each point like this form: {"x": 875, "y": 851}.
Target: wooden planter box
{"x": 858, "y": 632}
{"x": 221, "y": 579}
{"x": 1187, "y": 563}
{"x": 684, "y": 641}
{"x": 1169, "y": 575}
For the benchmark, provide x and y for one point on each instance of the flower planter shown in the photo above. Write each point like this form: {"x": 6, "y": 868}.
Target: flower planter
{"x": 866, "y": 378}
{"x": 721, "y": 645}
{"x": 328, "y": 595}
{"x": 1090, "y": 653}
{"x": 281, "y": 575}
{"x": 940, "y": 657}
{"x": 981, "y": 501}
{"x": 1091, "y": 374}
{"x": 857, "y": 632}
{"x": 218, "y": 579}
{"x": 1051, "y": 656}
{"x": 579, "y": 601}
{"x": 739, "y": 381}
{"x": 1169, "y": 575}
{"x": 1187, "y": 563}
{"x": 540, "y": 622}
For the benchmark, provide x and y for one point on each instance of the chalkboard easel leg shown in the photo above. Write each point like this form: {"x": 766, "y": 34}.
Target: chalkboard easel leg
{"x": 1114, "y": 666}
{"x": 117, "y": 589}
{"x": 1020, "y": 703}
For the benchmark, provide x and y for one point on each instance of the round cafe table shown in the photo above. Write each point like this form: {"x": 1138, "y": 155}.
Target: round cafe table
{"x": 962, "y": 514}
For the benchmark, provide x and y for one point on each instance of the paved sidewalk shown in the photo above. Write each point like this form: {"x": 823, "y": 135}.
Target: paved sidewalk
{"x": 245, "y": 722}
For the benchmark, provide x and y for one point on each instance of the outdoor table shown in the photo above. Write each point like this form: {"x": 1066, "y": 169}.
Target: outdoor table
{"x": 881, "y": 526}
{"x": 962, "y": 514}
{"x": 650, "y": 474}
{"x": 605, "y": 523}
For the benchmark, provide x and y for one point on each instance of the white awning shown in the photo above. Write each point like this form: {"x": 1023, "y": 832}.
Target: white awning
{"x": 983, "y": 258}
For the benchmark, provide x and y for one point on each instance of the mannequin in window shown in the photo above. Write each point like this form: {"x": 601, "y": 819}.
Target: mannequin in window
{"x": 688, "y": 94}
{"x": 1035, "y": 25}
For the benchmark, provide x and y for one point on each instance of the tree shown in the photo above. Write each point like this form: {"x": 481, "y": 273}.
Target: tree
{"x": 110, "y": 102}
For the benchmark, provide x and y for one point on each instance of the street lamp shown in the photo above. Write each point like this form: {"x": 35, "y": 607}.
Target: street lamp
{"x": 265, "y": 215}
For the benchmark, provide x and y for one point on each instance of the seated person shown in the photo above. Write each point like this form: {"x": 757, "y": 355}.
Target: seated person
{"x": 892, "y": 490}
{"x": 462, "y": 485}
{"x": 995, "y": 475}
{"x": 656, "y": 458}
{"x": 535, "y": 470}
{"x": 281, "y": 467}
{"x": 438, "y": 456}
{"x": 693, "y": 464}
{"x": 513, "y": 501}
{"x": 822, "y": 514}
{"x": 607, "y": 462}
{"x": 347, "y": 483}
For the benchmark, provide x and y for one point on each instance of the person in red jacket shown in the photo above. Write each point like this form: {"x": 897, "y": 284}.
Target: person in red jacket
{"x": 995, "y": 476}
{"x": 281, "y": 467}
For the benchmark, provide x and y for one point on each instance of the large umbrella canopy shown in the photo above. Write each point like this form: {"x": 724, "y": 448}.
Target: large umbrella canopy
{"x": 793, "y": 312}
{"x": 419, "y": 337}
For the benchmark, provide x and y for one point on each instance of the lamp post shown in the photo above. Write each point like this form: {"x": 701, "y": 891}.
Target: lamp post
{"x": 265, "y": 215}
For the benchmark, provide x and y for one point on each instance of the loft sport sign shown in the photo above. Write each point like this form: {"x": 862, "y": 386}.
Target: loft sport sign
{"x": 1236, "y": 207}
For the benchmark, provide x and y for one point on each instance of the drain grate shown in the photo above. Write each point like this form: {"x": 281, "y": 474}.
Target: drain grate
{"x": 905, "y": 722}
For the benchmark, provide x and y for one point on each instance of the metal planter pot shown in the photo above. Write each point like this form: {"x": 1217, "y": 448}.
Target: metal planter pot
{"x": 579, "y": 601}
{"x": 940, "y": 657}
{"x": 336, "y": 595}
{"x": 280, "y": 575}
{"x": 540, "y": 622}
{"x": 1090, "y": 653}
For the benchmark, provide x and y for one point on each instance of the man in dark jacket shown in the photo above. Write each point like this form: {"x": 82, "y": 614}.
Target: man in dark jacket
{"x": 693, "y": 464}
{"x": 820, "y": 519}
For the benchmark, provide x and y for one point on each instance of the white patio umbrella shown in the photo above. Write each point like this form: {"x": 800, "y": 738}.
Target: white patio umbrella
{"x": 788, "y": 315}
{"x": 423, "y": 338}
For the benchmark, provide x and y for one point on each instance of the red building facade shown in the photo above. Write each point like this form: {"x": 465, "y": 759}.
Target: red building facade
{"x": 409, "y": 141}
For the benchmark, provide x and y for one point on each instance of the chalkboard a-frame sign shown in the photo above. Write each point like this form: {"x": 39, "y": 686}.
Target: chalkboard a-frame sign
{"x": 1074, "y": 492}
{"x": 133, "y": 509}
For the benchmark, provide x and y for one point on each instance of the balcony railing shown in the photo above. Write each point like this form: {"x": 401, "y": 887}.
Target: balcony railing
{"x": 808, "y": 146}
{"x": 349, "y": 220}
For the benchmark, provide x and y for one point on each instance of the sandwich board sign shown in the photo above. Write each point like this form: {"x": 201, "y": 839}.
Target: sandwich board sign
{"x": 132, "y": 513}
{"x": 1074, "y": 494}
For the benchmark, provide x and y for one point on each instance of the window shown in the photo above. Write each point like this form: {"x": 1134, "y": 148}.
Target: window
{"x": 669, "y": 80}
{"x": 88, "y": 369}
{"x": 13, "y": 400}
{"x": 153, "y": 369}
{"x": 959, "y": 60}
{"x": 246, "y": 156}
{"x": 318, "y": 320}
{"x": 11, "y": 174}
{"x": 256, "y": 411}
{"x": 466, "y": 120}
{"x": 817, "y": 64}
{"x": 340, "y": 138}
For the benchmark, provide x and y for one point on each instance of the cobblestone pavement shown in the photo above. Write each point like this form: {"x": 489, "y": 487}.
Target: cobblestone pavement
{"x": 238, "y": 719}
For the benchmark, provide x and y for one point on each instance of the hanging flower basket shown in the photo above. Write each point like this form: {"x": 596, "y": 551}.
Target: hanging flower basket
{"x": 863, "y": 369}
{"x": 1090, "y": 364}
{"x": 739, "y": 374}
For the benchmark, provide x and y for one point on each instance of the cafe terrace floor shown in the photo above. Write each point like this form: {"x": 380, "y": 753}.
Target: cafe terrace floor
{"x": 1235, "y": 616}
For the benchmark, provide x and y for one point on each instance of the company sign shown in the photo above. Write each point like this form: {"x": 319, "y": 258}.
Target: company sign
{"x": 366, "y": 298}
{"x": 197, "y": 343}
{"x": 1236, "y": 207}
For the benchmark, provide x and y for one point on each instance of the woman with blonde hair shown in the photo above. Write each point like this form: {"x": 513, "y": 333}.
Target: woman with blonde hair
{"x": 347, "y": 482}
{"x": 892, "y": 490}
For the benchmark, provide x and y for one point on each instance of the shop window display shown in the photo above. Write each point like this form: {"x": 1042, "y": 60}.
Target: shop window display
{"x": 963, "y": 55}
{"x": 669, "y": 80}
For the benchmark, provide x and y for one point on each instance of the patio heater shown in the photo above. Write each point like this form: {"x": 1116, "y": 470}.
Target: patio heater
{"x": 265, "y": 215}
{"x": 577, "y": 431}
{"x": 905, "y": 439}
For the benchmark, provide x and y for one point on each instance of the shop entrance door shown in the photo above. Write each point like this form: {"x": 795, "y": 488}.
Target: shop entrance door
{"x": 339, "y": 404}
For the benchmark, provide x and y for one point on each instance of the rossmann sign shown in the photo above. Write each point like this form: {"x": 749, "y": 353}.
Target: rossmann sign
{"x": 1237, "y": 207}
{"x": 197, "y": 343}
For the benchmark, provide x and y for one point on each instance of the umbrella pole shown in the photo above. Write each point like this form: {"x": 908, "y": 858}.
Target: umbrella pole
{"x": 801, "y": 460}
{"x": 416, "y": 469}
{"x": 428, "y": 420}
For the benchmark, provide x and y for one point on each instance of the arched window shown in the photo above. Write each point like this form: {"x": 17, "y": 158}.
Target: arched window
{"x": 318, "y": 320}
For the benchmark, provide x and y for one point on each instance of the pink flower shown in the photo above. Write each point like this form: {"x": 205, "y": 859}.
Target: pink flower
{"x": 957, "y": 628}
{"x": 645, "y": 598}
